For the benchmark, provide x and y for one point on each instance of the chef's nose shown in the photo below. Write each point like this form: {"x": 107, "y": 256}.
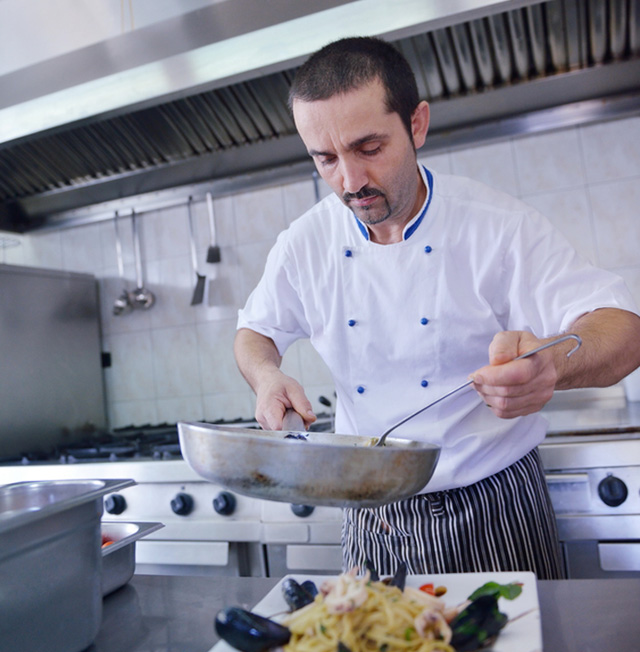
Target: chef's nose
{"x": 354, "y": 176}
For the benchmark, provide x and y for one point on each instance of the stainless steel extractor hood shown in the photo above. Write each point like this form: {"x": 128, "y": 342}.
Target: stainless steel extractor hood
{"x": 202, "y": 98}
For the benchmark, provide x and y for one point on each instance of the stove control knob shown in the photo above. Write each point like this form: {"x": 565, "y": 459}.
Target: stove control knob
{"x": 302, "y": 510}
{"x": 115, "y": 504}
{"x": 612, "y": 491}
{"x": 182, "y": 504}
{"x": 224, "y": 503}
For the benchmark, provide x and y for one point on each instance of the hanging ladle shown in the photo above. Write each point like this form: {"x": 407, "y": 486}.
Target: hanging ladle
{"x": 142, "y": 298}
{"x": 122, "y": 305}
{"x": 382, "y": 439}
{"x": 198, "y": 291}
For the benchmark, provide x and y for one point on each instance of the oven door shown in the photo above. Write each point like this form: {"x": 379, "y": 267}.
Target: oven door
{"x": 209, "y": 558}
{"x": 601, "y": 546}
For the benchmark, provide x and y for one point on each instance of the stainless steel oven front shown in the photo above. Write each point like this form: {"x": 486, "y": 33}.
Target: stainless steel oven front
{"x": 594, "y": 483}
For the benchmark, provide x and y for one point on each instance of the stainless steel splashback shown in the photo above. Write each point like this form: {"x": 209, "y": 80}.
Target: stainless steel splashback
{"x": 51, "y": 383}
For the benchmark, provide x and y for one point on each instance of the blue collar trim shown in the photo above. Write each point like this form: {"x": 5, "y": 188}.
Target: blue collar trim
{"x": 412, "y": 229}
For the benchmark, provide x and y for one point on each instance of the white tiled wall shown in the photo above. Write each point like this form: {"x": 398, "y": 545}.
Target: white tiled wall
{"x": 175, "y": 361}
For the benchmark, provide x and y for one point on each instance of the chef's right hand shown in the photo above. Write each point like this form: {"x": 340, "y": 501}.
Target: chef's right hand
{"x": 276, "y": 395}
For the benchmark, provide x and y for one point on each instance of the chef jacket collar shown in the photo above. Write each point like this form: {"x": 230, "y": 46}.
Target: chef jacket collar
{"x": 414, "y": 223}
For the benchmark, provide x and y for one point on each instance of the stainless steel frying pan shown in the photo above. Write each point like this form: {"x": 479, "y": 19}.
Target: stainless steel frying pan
{"x": 311, "y": 468}
{"x": 308, "y": 468}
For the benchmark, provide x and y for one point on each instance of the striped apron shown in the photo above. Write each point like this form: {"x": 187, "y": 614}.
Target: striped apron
{"x": 503, "y": 523}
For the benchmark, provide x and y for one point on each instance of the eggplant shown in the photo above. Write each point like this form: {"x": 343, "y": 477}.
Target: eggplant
{"x": 400, "y": 577}
{"x": 250, "y": 632}
{"x": 296, "y": 595}
{"x": 477, "y": 625}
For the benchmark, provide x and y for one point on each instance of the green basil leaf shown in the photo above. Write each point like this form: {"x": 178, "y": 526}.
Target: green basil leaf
{"x": 508, "y": 591}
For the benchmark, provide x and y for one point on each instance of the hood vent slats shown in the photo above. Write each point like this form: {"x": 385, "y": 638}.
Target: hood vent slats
{"x": 471, "y": 59}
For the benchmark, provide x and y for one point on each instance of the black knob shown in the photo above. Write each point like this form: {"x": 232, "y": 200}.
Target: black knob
{"x": 224, "y": 503}
{"x": 612, "y": 491}
{"x": 115, "y": 504}
{"x": 302, "y": 510}
{"x": 182, "y": 504}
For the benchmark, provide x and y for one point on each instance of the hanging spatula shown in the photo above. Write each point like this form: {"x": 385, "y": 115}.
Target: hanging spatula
{"x": 198, "y": 292}
{"x": 213, "y": 253}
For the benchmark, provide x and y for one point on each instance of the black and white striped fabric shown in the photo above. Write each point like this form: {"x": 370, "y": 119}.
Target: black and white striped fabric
{"x": 502, "y": 523}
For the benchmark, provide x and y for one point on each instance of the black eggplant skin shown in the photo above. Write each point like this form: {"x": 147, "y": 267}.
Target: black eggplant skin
{"x": 296, "y": 595}
{"x": 249, "y": 632}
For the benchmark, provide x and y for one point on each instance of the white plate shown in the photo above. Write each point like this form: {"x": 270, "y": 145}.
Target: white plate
{"x": 522, "y": 635}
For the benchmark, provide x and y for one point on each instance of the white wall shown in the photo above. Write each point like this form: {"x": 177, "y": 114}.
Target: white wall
{"x": 175, "y": 361}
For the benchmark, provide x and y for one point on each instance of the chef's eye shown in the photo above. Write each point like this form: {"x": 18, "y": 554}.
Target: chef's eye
{"x": 326, "y": 160}
{"x": 372, "y": 151}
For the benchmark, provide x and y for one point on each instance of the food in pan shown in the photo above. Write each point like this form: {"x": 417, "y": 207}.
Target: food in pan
{"x": 106, "y": 540}
{"x": 353, "y": 613}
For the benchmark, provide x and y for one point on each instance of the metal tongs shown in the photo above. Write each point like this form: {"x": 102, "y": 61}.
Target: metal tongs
{"x": 571, "y": 336}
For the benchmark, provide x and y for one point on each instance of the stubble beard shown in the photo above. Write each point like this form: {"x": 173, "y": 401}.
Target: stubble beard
{"x": 370, "y": 215}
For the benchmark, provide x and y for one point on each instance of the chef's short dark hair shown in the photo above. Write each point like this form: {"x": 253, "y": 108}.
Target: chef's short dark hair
{"x": 350, "y": 63}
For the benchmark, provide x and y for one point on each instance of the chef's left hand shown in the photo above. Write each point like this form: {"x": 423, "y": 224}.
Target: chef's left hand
{"x": 513, "y": 388}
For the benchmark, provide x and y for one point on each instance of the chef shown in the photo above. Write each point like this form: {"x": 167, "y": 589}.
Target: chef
{"x": 407, "y": 282}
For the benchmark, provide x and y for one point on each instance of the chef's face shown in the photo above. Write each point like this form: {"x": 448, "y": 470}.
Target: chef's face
{"x": 364, "y": 152}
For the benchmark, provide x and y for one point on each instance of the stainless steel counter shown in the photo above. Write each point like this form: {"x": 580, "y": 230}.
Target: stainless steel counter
{"x": 175, "y": 614}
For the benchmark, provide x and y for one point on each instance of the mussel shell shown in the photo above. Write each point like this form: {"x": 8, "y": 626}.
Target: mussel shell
{"x": 310, "y": 587}
{"x": 400, "y": 577}
{"x": 477, "y": 625}
{"x": 249, "y": 632}
{"x": 295, "y": 595}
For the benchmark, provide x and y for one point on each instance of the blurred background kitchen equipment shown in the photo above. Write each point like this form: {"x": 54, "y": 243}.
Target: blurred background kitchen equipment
{"x": 201, "y": 279}
{"x": 632, "y": 386}
{"x": 122, "y": 305}
{"x": 142, "y": 298}
{"x": 51, "y": 386}
{"x": 119, "y": 557}
{"x": 213, "y": 252}
{"x": 51, "y": 564}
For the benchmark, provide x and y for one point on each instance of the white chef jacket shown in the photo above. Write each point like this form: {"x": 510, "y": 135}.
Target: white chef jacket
{"x": 399, "y": 325}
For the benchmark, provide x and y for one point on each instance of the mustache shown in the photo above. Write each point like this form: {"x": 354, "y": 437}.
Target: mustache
{"x": 361, "y": 194}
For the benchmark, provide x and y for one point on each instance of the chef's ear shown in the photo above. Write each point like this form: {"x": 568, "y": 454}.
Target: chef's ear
{"x": 420, "y": 124}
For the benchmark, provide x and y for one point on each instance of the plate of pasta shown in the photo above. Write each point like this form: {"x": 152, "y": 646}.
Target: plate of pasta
{"x": 354, "y": 613}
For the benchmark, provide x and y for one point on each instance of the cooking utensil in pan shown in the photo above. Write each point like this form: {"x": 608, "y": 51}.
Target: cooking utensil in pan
{"x": 308, "y": 468}
{"x": 383, "y": 437}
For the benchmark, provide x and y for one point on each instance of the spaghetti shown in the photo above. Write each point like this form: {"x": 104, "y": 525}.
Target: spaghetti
{"x": 367, "y": 616}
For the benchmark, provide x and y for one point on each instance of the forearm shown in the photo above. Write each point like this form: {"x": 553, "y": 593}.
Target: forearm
{"x": 256, "y": 357}
{"x": 610, "y": 350}
{"x": 259, "y": 362}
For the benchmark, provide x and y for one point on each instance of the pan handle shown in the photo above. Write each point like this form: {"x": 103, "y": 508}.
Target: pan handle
{"x": 293, "y": 421}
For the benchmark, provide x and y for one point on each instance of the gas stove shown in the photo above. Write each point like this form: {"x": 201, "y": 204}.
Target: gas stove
{"x": 208, "y": 530}
{"x": 591, "y": 458}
